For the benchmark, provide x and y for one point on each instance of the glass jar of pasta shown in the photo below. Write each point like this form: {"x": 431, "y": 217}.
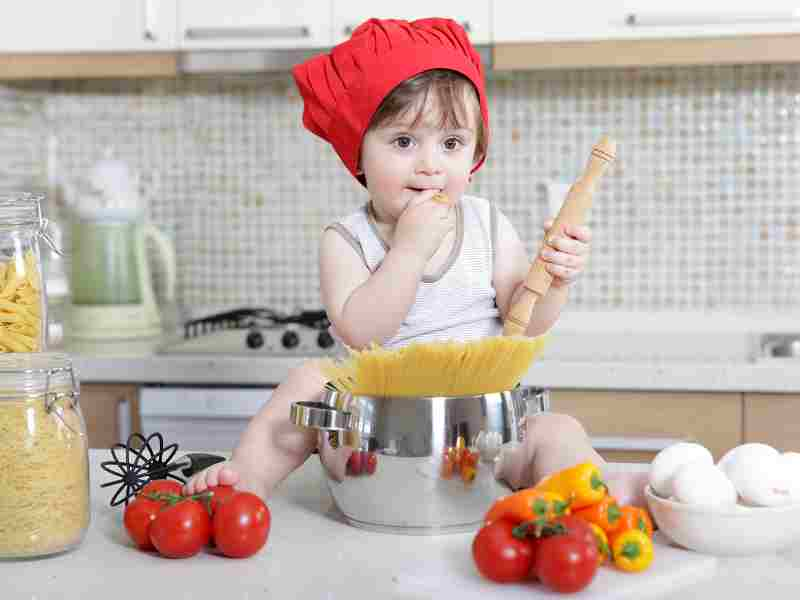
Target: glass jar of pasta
{"x": 22, "y": 298}
{"x": 44, "y": 474}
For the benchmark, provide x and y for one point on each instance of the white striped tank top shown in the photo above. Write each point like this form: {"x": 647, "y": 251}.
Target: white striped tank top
{"x": 458, "y": 302}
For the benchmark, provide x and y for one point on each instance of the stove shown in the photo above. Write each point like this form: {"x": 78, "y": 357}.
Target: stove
{"x": 257, "y": 332}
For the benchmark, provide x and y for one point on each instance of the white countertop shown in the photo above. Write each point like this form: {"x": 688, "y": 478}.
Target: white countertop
{"x": 311, "y": 553}
{"x": 638, "y": 351}
{"x": 104, "y": 364}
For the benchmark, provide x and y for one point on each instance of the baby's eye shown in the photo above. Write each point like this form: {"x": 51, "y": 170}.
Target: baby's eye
{"x": 403, "y": 141}
{"x": 452, "y": 143}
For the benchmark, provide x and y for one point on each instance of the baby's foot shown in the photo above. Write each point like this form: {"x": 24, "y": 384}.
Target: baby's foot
{"x": 226, "y": 473}
{"x": 223, "y": 473}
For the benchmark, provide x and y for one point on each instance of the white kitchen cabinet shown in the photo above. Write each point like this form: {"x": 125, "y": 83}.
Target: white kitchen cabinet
{"x": 254, "y": 24}
{"x": 49, "y": 26}
{"x": 572, "y": 20}
{"x": 474, "y": 15}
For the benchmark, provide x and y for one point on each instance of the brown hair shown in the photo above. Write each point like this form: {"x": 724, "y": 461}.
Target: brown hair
{"x": 455, "y": 94}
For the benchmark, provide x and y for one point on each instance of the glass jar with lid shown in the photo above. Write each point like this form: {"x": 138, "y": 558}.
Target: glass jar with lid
{"x": 22, "y": 294}
{"x": 44, "y": 479}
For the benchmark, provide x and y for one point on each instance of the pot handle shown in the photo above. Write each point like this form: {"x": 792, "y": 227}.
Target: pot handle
{"x": 318, "y": 415}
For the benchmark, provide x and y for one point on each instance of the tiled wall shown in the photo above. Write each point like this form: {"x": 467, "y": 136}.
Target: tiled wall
{"x": 700, "y": 211}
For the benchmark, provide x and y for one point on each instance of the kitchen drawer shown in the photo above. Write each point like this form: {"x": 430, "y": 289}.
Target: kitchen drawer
{"x": 633, "y": 426}
{"x": 773, "y": 419}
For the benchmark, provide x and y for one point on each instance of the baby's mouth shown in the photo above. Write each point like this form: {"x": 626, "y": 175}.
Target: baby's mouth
{"x": 420, "y": 190}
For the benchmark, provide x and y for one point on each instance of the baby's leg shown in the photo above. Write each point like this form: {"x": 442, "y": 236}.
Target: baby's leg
{"x": 554, "y": 442}
{"x": 271, "y": 446}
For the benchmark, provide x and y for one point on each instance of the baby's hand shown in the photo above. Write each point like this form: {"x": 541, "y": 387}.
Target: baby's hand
{"x": 224, "y": 473}
{"x": 424, "y": 224}
{"x": 566, "y": 255}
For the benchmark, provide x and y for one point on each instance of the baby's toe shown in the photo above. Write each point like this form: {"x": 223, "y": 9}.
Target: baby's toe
{"x": 228, "y": 476}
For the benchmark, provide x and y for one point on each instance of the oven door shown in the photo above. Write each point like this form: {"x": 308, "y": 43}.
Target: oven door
{"x": 200, "y": 418}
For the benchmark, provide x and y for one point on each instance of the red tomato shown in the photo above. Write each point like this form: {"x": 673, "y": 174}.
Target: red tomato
{"x": 181, "y": 530}
{"x": 139, "y": 515}
{"x": 577, "y": 527}
{"x": 162, "y": 486}
{"x": 500, "y": 556}
{"x": 372, "y": 463}
{"x": 219, "y": 495}
{"x": 241, "y": 525}
{"x": 355, "y": 462}
{"x": 566, "y": 563}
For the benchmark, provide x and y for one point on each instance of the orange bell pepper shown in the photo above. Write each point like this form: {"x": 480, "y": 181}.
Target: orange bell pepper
{"x": 527, "y": 505}
{"x": 603, "y": 550}
{"x": 632, "y": 550}
{"x": 633, "y": 517}
{"x": 582, "y": 485}
{"x": 605, "y": 514}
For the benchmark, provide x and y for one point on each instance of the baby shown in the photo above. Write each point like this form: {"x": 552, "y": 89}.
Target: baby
{"x": 404, "y": 106}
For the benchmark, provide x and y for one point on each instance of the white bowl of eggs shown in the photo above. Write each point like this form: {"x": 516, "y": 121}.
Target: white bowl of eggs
{"x": 746, "y": 504}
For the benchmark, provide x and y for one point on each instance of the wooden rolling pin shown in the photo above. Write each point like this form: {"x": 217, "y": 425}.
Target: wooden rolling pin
{"x": 573, "y": 212}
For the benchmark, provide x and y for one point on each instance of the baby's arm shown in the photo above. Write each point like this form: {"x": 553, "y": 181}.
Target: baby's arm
{"x": 366, "y": 307}
{"x": 510, "y": 270}
{"x": 271, "y": 447}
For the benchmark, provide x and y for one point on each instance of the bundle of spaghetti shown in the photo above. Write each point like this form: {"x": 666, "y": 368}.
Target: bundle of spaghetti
{"x": 450, "y": 368}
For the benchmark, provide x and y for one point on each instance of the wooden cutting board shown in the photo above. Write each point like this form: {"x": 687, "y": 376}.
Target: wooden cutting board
{"x": 671, "y": 569}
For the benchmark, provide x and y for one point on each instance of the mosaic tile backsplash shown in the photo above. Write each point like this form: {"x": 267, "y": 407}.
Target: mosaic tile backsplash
{"x": 699, "y": 212}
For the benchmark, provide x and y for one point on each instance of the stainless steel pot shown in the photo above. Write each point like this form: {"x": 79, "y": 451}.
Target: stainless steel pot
{"x": 416, "y": 465}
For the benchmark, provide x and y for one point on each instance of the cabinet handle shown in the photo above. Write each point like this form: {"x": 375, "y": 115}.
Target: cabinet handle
{"x": 149, "y": 20}
{"x": 244, "y": 33}
{"x": 668, "y": 19}
{"x": 633, "y": 443}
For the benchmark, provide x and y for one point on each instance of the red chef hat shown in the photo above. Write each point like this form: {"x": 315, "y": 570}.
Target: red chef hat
{"x": 343, "y": 89}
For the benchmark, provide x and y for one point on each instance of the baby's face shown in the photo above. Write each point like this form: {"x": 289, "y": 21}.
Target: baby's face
{"x": 402, "y": 159}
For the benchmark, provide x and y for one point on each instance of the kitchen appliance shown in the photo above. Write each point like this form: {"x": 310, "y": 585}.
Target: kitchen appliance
{"x": 111, "y": 285}
{"x": 405, "y": 481}
{"x": 143, "y": 459}
{"x": 256, "y": 332}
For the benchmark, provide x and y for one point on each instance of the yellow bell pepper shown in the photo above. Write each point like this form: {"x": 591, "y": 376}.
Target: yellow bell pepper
{"x": 632, "y": 550}
{"x": 581, "y": 485}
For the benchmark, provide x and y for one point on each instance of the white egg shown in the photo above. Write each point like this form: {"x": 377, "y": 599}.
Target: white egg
{"x": 703, "y": 484}
{"x": 757, "y": 474}
{"x": 667, "y": 462}
{"x": 751, "y": 450}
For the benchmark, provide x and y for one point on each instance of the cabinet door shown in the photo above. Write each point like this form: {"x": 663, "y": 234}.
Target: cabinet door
{"x": 773, "y": 419}
{"x": 102, "y": 405}
{"x": 88, "y": 26}
{"x": 254, "y": 24}
{"x": 639, "y": 19}
{"x": 474, "y": 15}
{"x": 634, "y": 426}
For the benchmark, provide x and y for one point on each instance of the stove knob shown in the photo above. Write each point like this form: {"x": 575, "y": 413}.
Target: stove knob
{"x": 290, "y": 340}
{"x": 325, "y": 340}
{"x": 255, "y": 339}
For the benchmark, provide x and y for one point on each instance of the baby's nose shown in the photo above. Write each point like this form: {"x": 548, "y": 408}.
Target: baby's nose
{"x": 429, "y": 163}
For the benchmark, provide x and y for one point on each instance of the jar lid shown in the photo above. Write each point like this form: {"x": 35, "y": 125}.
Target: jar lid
{"x": 20, "y": 208}
{"x": 34, "y": 372}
